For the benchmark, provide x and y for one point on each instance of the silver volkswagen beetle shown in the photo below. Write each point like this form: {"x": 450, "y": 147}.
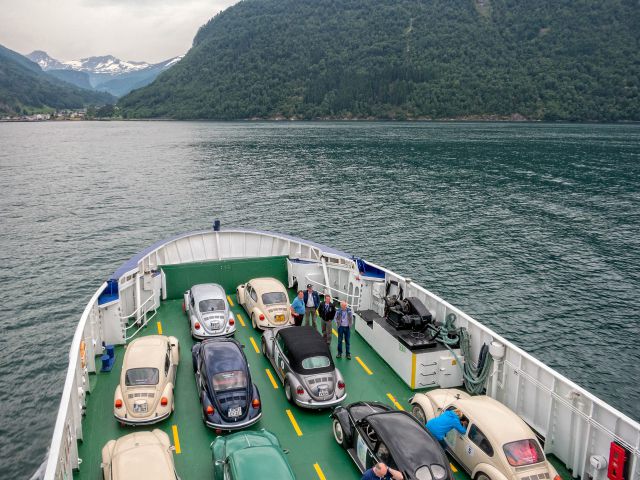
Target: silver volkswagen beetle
{"x": 208, "y": 311}
{"x": 304, "y": 365}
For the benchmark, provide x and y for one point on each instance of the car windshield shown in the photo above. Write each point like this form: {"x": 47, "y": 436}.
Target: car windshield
{"x": 273, "y": 297}
{"x": 315, "y": 362}
{"x": 211, "y": 305}
{"x": 229, "y": 380}
{"x": 142, "y": 376}
{"x": 523, "y": 452}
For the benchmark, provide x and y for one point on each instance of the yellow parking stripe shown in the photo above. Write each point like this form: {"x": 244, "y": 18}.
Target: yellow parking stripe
{"x": 255, "y": 345}
{"x": 229, "y": 300}
{"x": 176, "y": 439}
{"x": 333, "y": 330}
{"x": 240, "y": 319}
{"x": 393, "y": 400}
{"x": 159, "y": 328}
{"x": 294, "y": 423}
{"x": 273, "y": 381}
{"x": 319, "y": 472}
{"x": 453, "y": 469}
{"x": 366, "y": 369}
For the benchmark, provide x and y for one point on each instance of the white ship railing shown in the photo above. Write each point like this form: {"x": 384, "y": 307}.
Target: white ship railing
{"x": 574, "y": 423}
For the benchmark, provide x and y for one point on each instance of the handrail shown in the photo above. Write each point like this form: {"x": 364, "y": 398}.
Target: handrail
{"x": 126, "y": 317}
{"x": 332, "y": 289}
{"x": 144, "y": 324}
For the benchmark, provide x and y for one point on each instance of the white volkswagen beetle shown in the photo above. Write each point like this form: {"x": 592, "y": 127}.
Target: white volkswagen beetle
{"x": 208, "y": 311}
{"x": 145, "y": 393}
{"x": 266, "y": 302}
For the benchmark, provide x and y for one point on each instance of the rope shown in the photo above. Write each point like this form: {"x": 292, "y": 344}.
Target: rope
{"x": 447, "y": 334}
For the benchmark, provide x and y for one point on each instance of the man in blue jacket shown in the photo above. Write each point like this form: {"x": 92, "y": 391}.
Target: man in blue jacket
{"x": 311, "y": 304}
{"x": 443, "y": 423}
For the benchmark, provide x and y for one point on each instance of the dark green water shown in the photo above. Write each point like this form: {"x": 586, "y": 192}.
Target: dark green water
{"x": 532, "y": 229}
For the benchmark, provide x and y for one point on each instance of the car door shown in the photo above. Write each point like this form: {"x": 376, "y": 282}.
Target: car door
{"x": 248, "y": 298}
{"x": 280, "y": 361}
{"x": 456, "y": 441}
{"x": 478, "y": 448}
{"x": 363, "y": 444}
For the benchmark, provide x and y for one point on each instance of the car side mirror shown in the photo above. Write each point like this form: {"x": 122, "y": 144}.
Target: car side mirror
{"x": 172, "y": 448}
{"x": 220, "y": 462}
{"x": 243, "y": 345}
{"x": 285, "y": 451}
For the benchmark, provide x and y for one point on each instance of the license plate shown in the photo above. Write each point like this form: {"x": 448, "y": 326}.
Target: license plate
{"x": 235, "y": 412}
{"x": 139, "y": 407}
{"x": 279, "y": 318}
{"x": 323, "y": 392}
{"x": 214, "y": 325}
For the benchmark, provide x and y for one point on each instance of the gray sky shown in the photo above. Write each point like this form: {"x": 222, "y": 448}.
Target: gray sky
{"x": 143, "y": 30}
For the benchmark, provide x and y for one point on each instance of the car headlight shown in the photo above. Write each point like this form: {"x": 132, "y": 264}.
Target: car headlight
{"x": 439, "y": 472}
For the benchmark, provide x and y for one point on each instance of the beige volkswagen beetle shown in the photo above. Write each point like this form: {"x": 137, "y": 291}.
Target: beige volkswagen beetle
{"x": 498, "y": 444}
{"x": 139, "y": 455}
{"x": 266, "y": 302}
{"x": 145, "y": 392}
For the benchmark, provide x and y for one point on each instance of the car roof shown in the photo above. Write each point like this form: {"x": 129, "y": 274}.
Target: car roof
{"x": 222, "y": 355}
{"x": 252, "y": 462}
{"x": 205, "y": 291}
{"x": 248, "y": 438}
{"x": 141, "y": 455}
{"x": 409, "y": 442}
{"x": 265, "y": 284}
{"x": 494, "y": 419}
{"x": 147, "y": 351}
{"x": 302, "y": 343}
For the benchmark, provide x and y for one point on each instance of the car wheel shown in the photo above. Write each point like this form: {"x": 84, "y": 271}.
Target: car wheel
{"x": 338, "y": 433}
{"x": 287, "y": 391}
{"x": 482, "y": 476}
{"x": 417, "y": 412}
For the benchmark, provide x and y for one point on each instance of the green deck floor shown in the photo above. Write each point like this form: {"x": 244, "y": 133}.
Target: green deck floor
{"x": 316, "y": 444}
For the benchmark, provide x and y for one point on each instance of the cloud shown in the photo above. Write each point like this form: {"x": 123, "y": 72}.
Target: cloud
{"x": 149, "y": 30}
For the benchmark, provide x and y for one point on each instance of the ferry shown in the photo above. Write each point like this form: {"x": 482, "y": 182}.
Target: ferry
{"x": 392, "y": 364}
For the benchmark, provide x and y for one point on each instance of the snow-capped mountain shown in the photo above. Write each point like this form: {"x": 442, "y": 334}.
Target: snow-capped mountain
{"x": 105, "y": 73}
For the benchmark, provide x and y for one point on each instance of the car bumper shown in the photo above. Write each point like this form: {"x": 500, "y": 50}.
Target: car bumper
{"x": 142, "y": 421}
{"x": 212, "y": 335}
{"x": 313, "y": 404}
{"x": 235, "y": 425}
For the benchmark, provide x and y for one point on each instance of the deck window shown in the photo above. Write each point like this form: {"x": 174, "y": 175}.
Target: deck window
{"x": 315, "y": 362}
{"x": 273, "y": 298}
{"x": 141, "y": 376}
{"x": 229, "y": 380}
{"x": 211, "y": 305}
{"x": 523, "y": 452}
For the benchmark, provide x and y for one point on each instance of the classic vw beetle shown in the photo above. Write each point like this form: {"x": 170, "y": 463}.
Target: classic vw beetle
{"x": 303, "y": 363}
{"x": 229, "y": 398}
{"x": 373, "y": 432}
{"x": 266, "y": 302}
{"x": 498, "y": 444}
{"x": 145, "y": 392}
{"x": 208, "y": 312}
{"x": 139, "y": 455}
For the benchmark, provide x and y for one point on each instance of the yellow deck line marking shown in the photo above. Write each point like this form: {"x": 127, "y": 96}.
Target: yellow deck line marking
{"x": 240, "y": 319}
{"x": 413, "y": 371}
{"x": 319, "y": 472}
{"x": 159, "y": 328}
{"x": 176, "y": 439}
{"x": 453, "y": 469}
{"x": 294, "y": 423}
{"x": 366, "y": 369}
{"x": 273, "y": 380}
{"x": 333, "y": 330}
{"x": 394, "y": 401}
{"x": 229, "y": 300}
{"x": 255, "y": 346}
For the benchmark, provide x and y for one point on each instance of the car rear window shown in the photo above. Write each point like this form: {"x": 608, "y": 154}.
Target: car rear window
{"x": 274, "y": 297}
{"x": 523, "y": 452}
{"x": 141, "y": 376}
{"x": 315, "y": 362}
{"x": 229, "y": 380}
{"x": 211, "y": 305}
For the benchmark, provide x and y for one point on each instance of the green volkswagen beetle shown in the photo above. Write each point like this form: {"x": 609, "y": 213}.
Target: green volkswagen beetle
{"x": 249, "y": 454}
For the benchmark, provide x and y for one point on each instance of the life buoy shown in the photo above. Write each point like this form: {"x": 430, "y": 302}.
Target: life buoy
{"x": 83, "y": 354}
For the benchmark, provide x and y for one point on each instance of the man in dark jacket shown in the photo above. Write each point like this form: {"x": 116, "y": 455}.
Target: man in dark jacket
{"x": 311, "y": 304}
{"x": 327, "y": 312}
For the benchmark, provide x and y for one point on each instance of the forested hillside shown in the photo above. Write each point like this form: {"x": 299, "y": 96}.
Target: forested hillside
{"x": 24, "y": 87}
{"x": 542, "y": 59}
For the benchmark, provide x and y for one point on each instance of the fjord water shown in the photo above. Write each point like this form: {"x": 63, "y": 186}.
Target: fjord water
{"x": 533, "y": 229}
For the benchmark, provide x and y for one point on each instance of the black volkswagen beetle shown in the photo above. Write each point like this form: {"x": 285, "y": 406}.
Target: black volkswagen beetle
{"x": 373, "y": 432}
{"x": 229, "y": 398}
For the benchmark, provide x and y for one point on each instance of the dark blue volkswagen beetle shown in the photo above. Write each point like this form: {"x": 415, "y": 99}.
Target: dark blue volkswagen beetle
{"x": 229, "y": 398}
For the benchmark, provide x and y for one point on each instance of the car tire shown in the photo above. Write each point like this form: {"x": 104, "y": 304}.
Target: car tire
{"x": 418, "y": 412}
{"x": 287, "y": 391}
{"x": 338, "y": 433}
{"x": 482, "y": 476}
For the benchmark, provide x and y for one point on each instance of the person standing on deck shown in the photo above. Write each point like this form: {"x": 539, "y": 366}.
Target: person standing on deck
{"x": 297, "y": 308}
{"x": 311, "y": 304}
{"x": 327, "y": 312}
{"x": 380, "y": 471}
{"x": 344, "y": 320}
{"x": 445, "y": 422}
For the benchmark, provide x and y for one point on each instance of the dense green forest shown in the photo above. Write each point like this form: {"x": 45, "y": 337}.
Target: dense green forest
{"x": 25, "y": 88}
{"x": 576, "y": 60}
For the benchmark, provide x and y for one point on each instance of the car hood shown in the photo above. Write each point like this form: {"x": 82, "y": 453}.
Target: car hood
{"x": 142, "y": 461}
{"x": 148, "y": 396}
{"x": 314, "y": 383}
{"x": 277, "y": 309}
{"x": 208, "y": 321}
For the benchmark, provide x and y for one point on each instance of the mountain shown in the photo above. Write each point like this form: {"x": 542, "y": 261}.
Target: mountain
{"x": 25, "y": 87}
{"x": 103, "y": 73}
{"x": 544, "y": 60}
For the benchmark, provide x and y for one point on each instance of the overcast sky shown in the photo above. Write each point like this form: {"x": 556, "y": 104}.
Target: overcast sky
{"x": 143, "y": 30}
